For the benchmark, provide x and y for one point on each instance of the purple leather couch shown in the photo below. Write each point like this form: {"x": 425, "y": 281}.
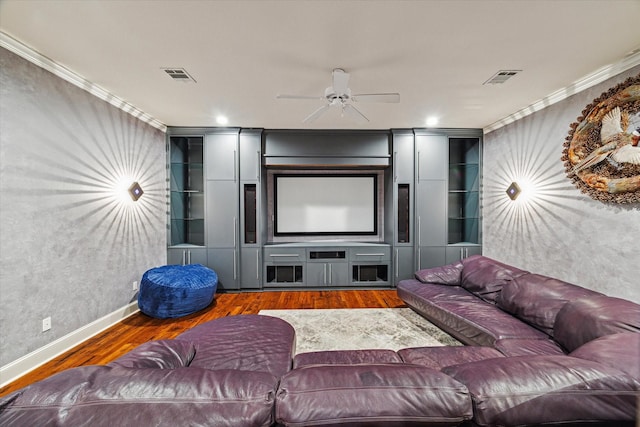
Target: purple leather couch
{"x": 540, "y": 350}
{"x": 221, "y": 373}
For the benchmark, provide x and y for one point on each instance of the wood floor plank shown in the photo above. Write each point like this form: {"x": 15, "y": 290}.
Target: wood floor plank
{"x": 139, "y": 328}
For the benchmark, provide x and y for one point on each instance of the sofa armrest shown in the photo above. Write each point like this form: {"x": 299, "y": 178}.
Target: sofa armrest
{"x": 160, "y": 354}
{"x": 545, "y": 389}
{"x": 444, "y": 275}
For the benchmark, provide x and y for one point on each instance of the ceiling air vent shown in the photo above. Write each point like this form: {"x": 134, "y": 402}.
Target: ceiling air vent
{"x": 501, "y": 77}
{"x": 179, "y": 74}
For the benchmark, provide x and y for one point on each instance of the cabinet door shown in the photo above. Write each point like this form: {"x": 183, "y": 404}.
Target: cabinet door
{"x": 432, "y": 152}
{"x": 338, "y": 274}
{"x": 183, "y": 256}
{"x": 431, "y": 216}
{"x": 403, "y": 264}
{"x": 225, "y": 263}
{"x": 429, "y": 257}
{"x": 250, "y": 155}
{"x": 458, "y": 252}
{"x": 221, "y": 153}
{"x": 316, "y": 274}
{"x": 250, "y": 268}
{"x": 403, "y": 160}
{"x": 222, "y": 214}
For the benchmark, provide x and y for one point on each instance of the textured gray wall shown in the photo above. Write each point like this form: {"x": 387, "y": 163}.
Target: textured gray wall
{"x": 70, "y": 248}
{"x": 558, "y": 232}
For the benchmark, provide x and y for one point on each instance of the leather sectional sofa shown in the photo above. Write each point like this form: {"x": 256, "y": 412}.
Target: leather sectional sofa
{"x": 539, "y": 352}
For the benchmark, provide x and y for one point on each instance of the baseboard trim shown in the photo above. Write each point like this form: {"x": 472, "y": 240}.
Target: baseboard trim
{"x": 29, "y": 362}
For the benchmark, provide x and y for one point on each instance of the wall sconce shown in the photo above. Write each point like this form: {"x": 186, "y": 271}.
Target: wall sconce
{"x": 135, "y": 191}
{"x": 513, "y": 191}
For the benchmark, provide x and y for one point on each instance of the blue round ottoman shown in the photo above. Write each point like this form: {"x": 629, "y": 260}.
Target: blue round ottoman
{"x": 176, "y": 290}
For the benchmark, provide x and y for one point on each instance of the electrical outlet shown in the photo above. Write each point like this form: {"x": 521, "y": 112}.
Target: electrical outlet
{"x": 46, "y": 324}
{"x": 134, "y": 285}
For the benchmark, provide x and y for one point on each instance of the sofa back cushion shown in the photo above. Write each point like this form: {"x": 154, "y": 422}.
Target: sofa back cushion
{"x": 537, "y": 299}
{"x": 109, "y": 396}
{"x": 621, "y": 351}
{"x": 540, "y": 390}
{"x": 160, "y": 354}
{"x": 586, "y": 319}
{"x": 485, "y": 277}
{"x": 444, "y": 275}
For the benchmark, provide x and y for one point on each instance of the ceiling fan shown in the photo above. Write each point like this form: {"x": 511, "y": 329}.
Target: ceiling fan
{"x": 339, "y": 95}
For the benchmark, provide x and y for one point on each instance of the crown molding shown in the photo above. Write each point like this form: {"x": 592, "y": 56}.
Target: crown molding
{"x": 64, "y": 73}
{"x": 584, "y": 83}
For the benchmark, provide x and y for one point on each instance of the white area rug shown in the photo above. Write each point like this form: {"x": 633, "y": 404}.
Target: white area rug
{"x": 361, "y": 328}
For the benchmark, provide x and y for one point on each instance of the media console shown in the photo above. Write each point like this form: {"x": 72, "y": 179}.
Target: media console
{"x": 327, "y": 264}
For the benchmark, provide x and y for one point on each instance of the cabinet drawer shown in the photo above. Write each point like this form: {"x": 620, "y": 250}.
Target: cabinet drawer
{"x": 370, "y": 254}
{"x": 286, "y": 255}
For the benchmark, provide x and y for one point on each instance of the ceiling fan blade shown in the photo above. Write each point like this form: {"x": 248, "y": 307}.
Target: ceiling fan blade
{"x": 354, "y": 114}
{"x": 340, "y": 81}
{"x": 376, "y": 97}
{"x": 313, "y": 116}
{"x": 298, "y": 97}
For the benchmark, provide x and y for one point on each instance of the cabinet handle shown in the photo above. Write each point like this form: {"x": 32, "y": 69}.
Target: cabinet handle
{"x": 235, "y": 230}
{"x": 461, "y": 253}
{"x": 395, "y": 166}
{"x": 419, "y": 260}
{"x": 235, "y": 170}
{"x": 283, "y": 255}
{"x": 418, "y": 165}
{"x": 330, "y": 275}
{"x": 324, "y": 274}
{"x": 188, "y": 257}
{"x": 397, "y": 259}
{"x": 234, "y": 266}
{"x": 184, "y": 257}
{"x": 419, "y": 232}
{"x": 258, "y": 166}
{"x": 257, "y": 265}
{"x": 370, "y": 254}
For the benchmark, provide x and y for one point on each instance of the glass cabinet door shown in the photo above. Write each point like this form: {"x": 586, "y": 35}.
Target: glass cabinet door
{"x": 187, "y": 190}
{"x": 464, "y": 202}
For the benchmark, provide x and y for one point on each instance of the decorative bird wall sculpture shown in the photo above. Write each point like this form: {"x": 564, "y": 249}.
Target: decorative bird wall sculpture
{"x": 618, "y": 146}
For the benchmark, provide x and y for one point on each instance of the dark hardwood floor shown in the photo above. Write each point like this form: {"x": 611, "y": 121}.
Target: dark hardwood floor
{"x": 139, "y": 328}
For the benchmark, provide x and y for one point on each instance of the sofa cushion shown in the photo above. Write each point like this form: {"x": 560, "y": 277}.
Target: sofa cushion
{"x": 376, "y": 394}
{"x": 586, "y": 319}
{"x": 162, "y": 354}
{"x": 444, "y": 275}
{"x": 346, "y": 357}
{"x": 463, "y": 315}
{"x": 485, "y": 277}
{"x": 528, "y": 347}
{"x": 514, "y": 391}
{"x": 113, "y": 396}
{"x": 250, "y": 342}
{"x": 621, "y": 351}
{"x": 440, "y": 357}
{"x": 537, "y": 299}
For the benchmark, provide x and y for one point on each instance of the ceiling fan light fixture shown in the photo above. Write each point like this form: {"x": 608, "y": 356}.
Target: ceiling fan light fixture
{"x": 339, "y": 94}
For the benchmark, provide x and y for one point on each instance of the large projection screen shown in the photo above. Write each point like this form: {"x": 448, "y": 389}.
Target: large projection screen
{"x": 325, "y": 205}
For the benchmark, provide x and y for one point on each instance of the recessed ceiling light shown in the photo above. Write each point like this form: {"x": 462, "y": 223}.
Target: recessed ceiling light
{"x": 432, "y": 121}
{"x": 222, "y": 120}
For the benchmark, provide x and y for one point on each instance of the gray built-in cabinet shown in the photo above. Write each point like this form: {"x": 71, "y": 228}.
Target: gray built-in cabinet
{"x": 219, "y": 212}
{"x": 448, "y": 220}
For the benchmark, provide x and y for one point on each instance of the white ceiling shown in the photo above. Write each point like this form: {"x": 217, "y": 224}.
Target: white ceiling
{"x": 436, "y": 54}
